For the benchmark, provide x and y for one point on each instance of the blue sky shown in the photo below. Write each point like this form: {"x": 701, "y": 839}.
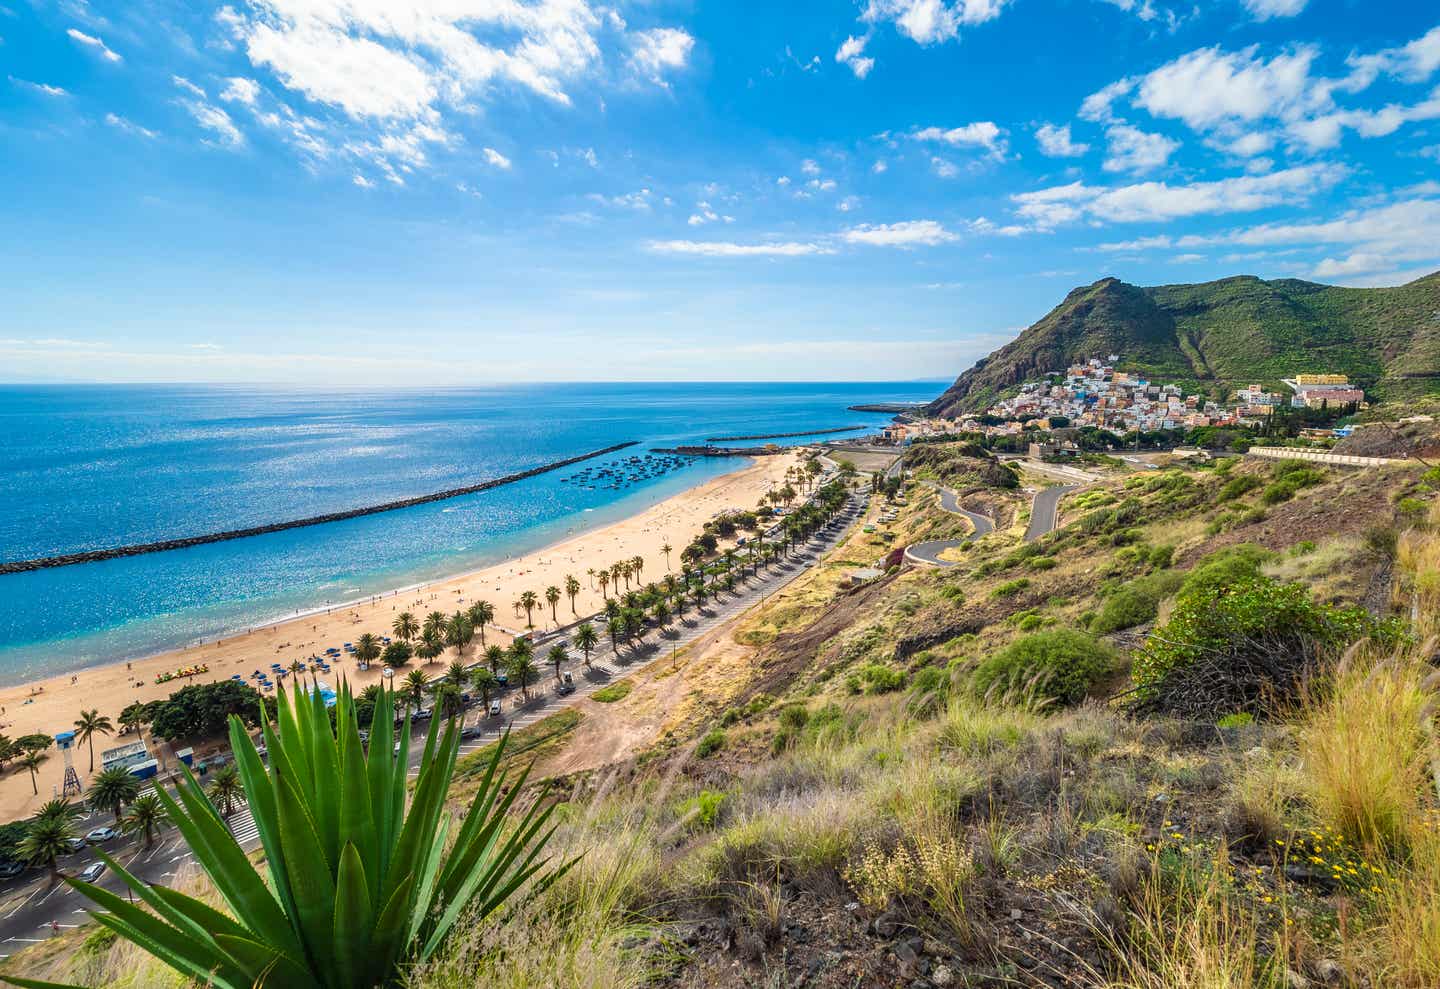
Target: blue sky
{"x": 443, "y": 191}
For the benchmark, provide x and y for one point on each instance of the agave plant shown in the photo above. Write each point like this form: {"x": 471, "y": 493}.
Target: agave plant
{"x": 356, "y": 885}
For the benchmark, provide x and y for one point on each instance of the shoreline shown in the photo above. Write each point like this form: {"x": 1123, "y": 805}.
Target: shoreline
{"x": 51, "y": 703}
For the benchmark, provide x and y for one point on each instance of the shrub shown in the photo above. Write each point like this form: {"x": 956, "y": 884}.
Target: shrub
{"x": 1279, "y": 491}
{"x": 703, "y": 809}
{"x": 710, "y": 743}
{"x": 794, "y": 716}
{"x": 1059, "y": 666}
{"x": 1249, "y": 646}
{"x": 1031, "y": 622}
{"x": 1135, "y": 603}
{"x": 1011, "y": 587}
{"x": 953, "y": 593}
{"x": 1225, "y": 567}
{"x": 1041, "y": 563}
{"x": 1237, "y": 487}
{"x": 875, "y": 678}
{"x": 617, "y": 691}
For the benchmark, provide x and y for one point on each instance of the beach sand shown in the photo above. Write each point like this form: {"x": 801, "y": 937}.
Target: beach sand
{"x": 52, "y": 705}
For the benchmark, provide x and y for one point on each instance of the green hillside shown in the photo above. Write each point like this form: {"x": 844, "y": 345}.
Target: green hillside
{"x": 1226, "y": 333}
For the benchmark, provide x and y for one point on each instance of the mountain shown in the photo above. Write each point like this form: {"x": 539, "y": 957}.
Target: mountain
{"x": 1225, "y": 334}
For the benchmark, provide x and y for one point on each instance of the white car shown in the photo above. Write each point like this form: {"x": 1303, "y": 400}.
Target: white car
{"x": 494, "y": 709}
{"x": 92, "y": 872}
{"x": 101, "y": 835}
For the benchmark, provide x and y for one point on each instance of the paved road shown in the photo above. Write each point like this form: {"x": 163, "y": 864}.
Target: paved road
{"x": 929, "y": 552}
{"x": 1044, "y": 509}
{"x": 29, "y": 903}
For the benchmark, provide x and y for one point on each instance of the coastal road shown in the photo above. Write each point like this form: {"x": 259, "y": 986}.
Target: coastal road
{"x": 30, "y": 903}
{"x": 929, "y": 552}
{"x": 1045, "y": 508}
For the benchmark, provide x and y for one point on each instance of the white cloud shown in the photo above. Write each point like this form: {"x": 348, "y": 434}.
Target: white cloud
{"x": 1099, "y": 105}
{"x": 209, "y": 116}
{"x": 1143, "y": 9}
{"x": 981, "y": 134}
{"x": 727, "y": 249}
{"x": 90, "y": 41}
{"x": 879, "y": 167}
{"x": 910, "y": 233}
{"x": 493, "y": 157}
{"x": 1210, "y": 87}
{"x": 640, "y": 199}
{"x": 822, "y": 185}
{"x": 1158, "y": 201}
{"x": 944, "y": 169}
{"x": 705, "y": 213}
{"x": 362, "y": 181}
{"x": 931, "y": 21}
{"x": 1263, "y": 10}
{"x": 1187, "y": 258}
{"x": 809, "y": 167}
{"x": 851, "y": 53}
{"x": 659, "y": 50}
{"x": 40, "y": 87}
{"x": 1134, "y": 150}
{"x": 128, "y": 126}
{"x": 1413, "y": 62}
{"x": 240, "y": 90}
{"x": 848, "y": 203}
{"x": 783, "y": 180}
{"x": 1055, "y": 142}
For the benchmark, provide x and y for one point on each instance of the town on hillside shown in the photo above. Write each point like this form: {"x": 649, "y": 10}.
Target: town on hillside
{"x": 1098, "y": 394}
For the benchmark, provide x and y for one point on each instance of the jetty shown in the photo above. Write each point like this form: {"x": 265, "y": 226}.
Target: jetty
{"x": 781, "y": 436}
{"x": 160, "y": 546}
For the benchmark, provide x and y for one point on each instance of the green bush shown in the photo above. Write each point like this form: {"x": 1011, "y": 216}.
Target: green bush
{"x": 794, "y": 716}
{"x": 1243, "y": 646}
{"x": 1041, "y": 563}
{"x": 1237, "y": 487}
{"x": 1135, "y": 603}
{"x": 1279, "y": 491}
{"x": 1031, "y": 622}
{"x": 1226, "y": 566}
{"x": 875, "y": 678}
{"x": 1010, "y": 588}
{"x": 953, "y": 593}
{"x": 703, "y": 809}
{"x": 1059, "y": 666}
{"x": 713, "y": 741}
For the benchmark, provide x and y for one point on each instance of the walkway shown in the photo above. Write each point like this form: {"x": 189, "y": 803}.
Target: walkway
{"x": 1322, "y": 457}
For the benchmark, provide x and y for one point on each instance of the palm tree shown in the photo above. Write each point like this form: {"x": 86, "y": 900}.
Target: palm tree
{"x": 661, "y": 613}
{"x": 495, "y": 655}
{"x": 135, "y": 716}
{"x": 637, "y": 566}
{"x": 616, "y": 628}
{"x": 226, "y": 787}
{"x": 405, "y": 626}
{"x": 145, "y": 815}
{"x": 572, "y": 591}
{"x": 112, "y": 789}
{"x": 434, "y": 623}
{"x": 484, "y": 681}
{"x": 666, "y": 548}
{"x": 625, "y": 568}
{"x": 481, "y": 613}
{"x": 585, "y": 640}
{"x": 604, "y": 577}
{"x": 529, "y": 601}
{"x": 590, "y": 572}
{"x": 522, "y": 667}
{"x": 367, "y": 649}
{"x": 558, "y": 654}
{"x": 46, "y": 839}
{"x": 458, "y": 632}
{"x": 447, "y": 699}
{"x": 59, "y": 807}
{"x": 87, "y": 726}
{"x": 31, "y": 760}
{"x": 297, "y": 667}
{"x": 432, "y": 644}
{"x": 415, "y": 687}
{"x": 552, "y": 598}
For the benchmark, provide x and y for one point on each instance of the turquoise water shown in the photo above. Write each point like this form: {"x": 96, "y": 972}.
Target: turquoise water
{"x": 88, "y": 467}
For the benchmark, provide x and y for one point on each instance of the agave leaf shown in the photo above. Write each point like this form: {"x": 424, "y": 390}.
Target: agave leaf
{"x": 429, "y": 872}
{"x": 260, "y": 794}
{"x": 387, "y": 940}
{"x": 413, "y": 846}
{"x": 275, "y": 971}
{"x": 295, "y": 743}
{"x": 310, "y": 880}
{"x": 24, "y": 983}
{"x": 353, "y": 918}
{"x": 324, "y": 797}
{"x": 380, "y": 765}
{"x": 192, "y": 956}
{"x": 357, "y": 814}
{"x": 227, "y": 865}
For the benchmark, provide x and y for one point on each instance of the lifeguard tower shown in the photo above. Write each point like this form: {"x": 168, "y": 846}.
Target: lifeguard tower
{"x": 65, "y": 741}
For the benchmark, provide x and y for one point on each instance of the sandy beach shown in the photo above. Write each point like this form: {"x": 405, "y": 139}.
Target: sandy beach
{"x": 51, "y": 705}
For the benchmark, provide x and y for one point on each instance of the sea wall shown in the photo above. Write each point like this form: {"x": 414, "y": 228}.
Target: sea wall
{"x": 139, "y": 549}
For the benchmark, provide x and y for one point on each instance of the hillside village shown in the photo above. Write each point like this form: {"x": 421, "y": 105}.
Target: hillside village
{"x": 1098, "y": 394}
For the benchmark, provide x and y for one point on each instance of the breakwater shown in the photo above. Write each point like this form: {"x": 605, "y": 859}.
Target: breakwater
{"x": 781, "y": 436}
{"x": 721, "y": 451}
{"x": 894, "y": 407}
{"x": 160, "y": 546}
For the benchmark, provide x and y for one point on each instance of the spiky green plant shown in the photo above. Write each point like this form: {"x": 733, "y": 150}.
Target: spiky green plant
{"x": 357, "y": 887}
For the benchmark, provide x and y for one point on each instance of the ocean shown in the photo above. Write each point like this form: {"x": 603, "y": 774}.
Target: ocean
{"x": 90, "y": 467}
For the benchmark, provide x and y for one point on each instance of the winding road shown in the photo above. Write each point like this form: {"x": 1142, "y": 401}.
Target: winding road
{"x": 1044, "y": 509}
{"x": 929, "y": 552}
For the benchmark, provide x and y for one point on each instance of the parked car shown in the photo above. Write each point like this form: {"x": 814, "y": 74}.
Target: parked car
{"x": 10, "y": 869}
{"x": 494, "y": 709}
{"x": 471, "y": 731}
{"x": 99, "y": 836}
{"x": 421, "y": 715}
{"x": 503, "y": 679}
{"x": 364, "y": 735}
{"x": 74, "y": 845}
{"x": 92, "y": 872}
